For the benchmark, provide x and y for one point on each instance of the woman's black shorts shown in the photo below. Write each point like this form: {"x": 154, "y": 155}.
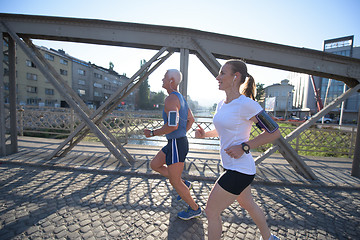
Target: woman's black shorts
{"x": 234, "y": 182}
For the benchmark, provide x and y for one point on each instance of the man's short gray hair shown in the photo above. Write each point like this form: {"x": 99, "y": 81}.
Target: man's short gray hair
{"x": 175, "y": 74}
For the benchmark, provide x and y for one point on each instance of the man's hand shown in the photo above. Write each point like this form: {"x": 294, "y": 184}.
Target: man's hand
{"x": 147, "y": 133}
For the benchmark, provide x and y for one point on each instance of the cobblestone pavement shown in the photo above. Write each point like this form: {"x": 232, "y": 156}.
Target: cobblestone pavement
{"x": 48, "y": 203}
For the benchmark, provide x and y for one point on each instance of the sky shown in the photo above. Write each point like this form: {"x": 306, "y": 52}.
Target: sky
{"x": 297, "y": 23}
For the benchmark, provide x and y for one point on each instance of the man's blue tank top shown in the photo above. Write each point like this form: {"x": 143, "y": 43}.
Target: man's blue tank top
{"x": 183, "y": 115}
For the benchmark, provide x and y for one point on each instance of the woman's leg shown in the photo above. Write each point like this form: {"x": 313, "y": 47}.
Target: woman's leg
{"x": 246, "y": 201}
{"x": 219, "y": 200}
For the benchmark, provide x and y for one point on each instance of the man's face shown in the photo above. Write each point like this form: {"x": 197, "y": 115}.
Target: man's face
{"x": 166, "y": 80}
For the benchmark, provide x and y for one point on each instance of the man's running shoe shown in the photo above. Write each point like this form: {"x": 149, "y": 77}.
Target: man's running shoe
{"x": 189, "y": 214}
{"x": 272, "y": 237}
{"x": 189, "y": 185}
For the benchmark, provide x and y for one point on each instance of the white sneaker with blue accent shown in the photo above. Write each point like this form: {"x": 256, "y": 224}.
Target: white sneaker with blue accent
{"x": 189, "y": 185}
{"x": 189, "y": 213}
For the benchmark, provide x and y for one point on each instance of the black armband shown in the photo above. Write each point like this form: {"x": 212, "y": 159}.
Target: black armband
{"x": 266, "y": 122}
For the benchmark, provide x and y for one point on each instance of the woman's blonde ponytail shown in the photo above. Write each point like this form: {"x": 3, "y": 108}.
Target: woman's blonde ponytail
{"x": 249, "y": 87}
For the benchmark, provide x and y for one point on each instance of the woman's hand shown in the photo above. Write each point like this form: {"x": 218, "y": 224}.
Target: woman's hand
{"x": 199, "y": 132}
{"x": 235, "y": 151}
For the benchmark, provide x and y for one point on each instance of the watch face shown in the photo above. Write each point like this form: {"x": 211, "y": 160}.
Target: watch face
{"x": 245, "y": 147}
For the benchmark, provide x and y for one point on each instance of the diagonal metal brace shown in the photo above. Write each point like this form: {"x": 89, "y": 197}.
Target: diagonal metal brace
{"x": 309, "y": 123}
{"x": 294, "y": 159}
{"x": 207, "y": 58}
{"x": 79, "y": 101}
{"x": 66, "y": 94}
{"x": 112, "y": 102}
{"x": 288, "y": 152}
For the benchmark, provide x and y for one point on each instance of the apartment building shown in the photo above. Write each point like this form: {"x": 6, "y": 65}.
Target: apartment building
{"x": 32, "y": 87}
{"x": 94, "y": 84}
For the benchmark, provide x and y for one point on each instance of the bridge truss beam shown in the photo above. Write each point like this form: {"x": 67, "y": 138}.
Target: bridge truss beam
{"x": 207, "y": 46}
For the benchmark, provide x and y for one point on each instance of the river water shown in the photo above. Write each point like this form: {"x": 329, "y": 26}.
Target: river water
{"x": 204, "y": 118}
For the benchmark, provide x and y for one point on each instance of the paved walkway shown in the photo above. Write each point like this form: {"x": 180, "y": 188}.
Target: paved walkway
{"x": 89, "y": 195}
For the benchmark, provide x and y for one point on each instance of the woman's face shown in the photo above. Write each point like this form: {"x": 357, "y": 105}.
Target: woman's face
{"x": 225, "y": 77}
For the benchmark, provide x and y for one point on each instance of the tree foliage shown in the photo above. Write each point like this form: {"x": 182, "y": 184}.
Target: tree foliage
{"x": 111, "y": 66}
{"x": 157, "y": 100}
{"x": 143, "y": 96}
{"x": 260, "y": 91}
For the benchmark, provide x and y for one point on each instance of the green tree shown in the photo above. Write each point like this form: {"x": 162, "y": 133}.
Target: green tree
{"x": 111, "y": 66}
{"x": 157, "y": 100}
{"x": 143, "y": 96}
{"x": 143, "y": 100}
{"x": 260, "y": 91}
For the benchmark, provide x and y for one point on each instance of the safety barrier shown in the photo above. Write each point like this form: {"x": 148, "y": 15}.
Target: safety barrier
{"x": 320, "y": 139}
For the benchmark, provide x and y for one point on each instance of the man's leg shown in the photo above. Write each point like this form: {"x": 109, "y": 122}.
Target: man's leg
{"x": 158, "y": 164}
{"x": 174, "y": 174}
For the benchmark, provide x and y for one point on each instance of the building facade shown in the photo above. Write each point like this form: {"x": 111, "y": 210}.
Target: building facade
{"x": 305, "y": 100}
{"x": 32, "y": 87}
{"x": 94, "y": 84}
{"x": 281, "y": 96}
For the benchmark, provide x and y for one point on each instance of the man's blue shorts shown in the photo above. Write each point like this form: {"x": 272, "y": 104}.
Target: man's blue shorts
{"x": 176, "y": 150}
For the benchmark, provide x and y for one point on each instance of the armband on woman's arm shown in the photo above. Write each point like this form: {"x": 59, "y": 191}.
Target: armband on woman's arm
{"x": 266, "y": 122}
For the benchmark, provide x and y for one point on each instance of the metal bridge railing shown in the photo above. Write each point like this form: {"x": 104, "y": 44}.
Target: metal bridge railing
{"x": 324, "y": 140}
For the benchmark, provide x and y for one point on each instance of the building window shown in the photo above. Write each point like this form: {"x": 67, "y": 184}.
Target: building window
{"x": 32, "y": 101}
{"x": 81, "y": 72}
{"x": 31, "y": 89}
{"x": 97, "y": 94}
{"x": 49, "y": 91}
{"x": 31, "y": 76}
{"x": 97, "y": 75}
{"x": 63, "y": 61}
{"x": 63, "y": 72}
{"x": 81, "y": 82}
{"x": 81, "y": 92}
{"x": 30, "y": 64}
{"x": 98, "y": 85}
{"x": 50, "y": 102}
{"x": 49, "y": 57}
{"x": 107, "y": 87}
